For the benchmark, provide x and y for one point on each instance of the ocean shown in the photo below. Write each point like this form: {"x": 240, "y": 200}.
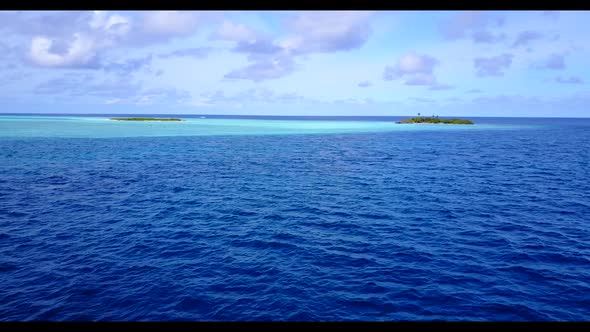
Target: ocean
{"x": 227, "y": 218}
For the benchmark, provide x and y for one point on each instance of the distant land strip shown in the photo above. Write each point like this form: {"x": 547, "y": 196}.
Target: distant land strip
{"x": 435, "y": 120}
{"x": 146, "y": 119}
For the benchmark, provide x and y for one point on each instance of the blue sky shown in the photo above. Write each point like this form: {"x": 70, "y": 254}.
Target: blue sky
{"x": 449, "y": 63}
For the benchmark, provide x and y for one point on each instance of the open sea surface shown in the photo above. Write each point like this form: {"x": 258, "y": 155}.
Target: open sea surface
{"x": 293, "y": 219}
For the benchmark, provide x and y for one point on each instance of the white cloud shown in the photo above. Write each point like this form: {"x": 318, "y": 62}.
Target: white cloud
{"x": 554, "y": 61}
{"x": 492, "y": 66}
{"x": 234, "y": 32}
{"x": 170, "y": 23}
{"x": 414, "y": 64}
{"x": 81, "y": 51}
{"x": 418, "y": 68}
{"x": 104, "y": 30}
{"x": 473, "y": 24}
{"x": 113, "y": 24}
{"x": 264, "y": 68}
{"x": 328, "y": 31}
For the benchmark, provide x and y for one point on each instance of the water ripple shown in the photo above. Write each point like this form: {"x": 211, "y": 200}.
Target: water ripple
{"x": 409, "y": 225}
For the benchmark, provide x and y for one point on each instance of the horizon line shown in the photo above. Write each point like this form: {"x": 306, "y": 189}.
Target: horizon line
{"x": 295, "y": 115}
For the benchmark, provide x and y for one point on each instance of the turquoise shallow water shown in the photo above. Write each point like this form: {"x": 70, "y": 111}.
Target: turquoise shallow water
{"x": 229, "y": 219}
{"x": 102, "y": 127}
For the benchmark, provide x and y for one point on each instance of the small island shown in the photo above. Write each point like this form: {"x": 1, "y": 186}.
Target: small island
{"x": 435, "y": 120}
{"x": 146, "y": 119}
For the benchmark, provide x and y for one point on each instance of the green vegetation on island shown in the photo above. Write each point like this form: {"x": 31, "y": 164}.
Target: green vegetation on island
{"x": 146, "y": 119}
{"x": 422, "y": 119}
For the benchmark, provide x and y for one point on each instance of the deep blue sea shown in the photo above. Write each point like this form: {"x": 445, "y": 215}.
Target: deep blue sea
{"x": 294, "y": 219}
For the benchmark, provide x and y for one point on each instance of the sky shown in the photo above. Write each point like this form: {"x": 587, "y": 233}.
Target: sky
{"x": 324, "y": 63}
